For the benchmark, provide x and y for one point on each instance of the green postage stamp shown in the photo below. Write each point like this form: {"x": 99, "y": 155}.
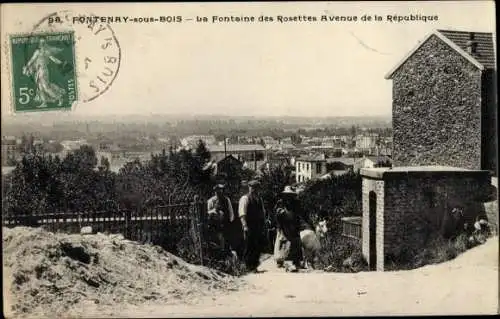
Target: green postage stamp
{"x": 43, "y": 71}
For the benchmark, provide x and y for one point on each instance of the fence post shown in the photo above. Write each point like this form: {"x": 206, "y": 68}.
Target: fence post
{"x": 196, "y": 229}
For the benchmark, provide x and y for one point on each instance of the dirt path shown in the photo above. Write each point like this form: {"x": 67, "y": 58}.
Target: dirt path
{"x": 466, "y": 285}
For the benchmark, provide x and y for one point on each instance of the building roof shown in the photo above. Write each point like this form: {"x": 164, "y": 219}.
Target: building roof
{"x": 231, "y": 148}
{"x": 343, "y": 160}
{"x": 282, "y": 146}
{"x": 418, "y": 170}
{"x": 457, "y": 40}
{"x": 375, "y": 159}
{"x": 485, "y": 51}
{"x": 317, "y": 158}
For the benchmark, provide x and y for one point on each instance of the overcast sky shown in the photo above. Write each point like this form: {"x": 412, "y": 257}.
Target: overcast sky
{"x": 300, "y": 69}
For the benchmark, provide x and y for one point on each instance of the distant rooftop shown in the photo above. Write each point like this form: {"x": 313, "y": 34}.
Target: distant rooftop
{"x": 317, "y": 158}
{"x": 381, "y": 172}
{"x": 344, "y": 160}
{"x": 236, "y": 148}
{"x": 375, "y": 159}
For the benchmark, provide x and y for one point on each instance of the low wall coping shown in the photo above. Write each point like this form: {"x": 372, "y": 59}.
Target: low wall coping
{"x": 416, "y": 171}
{"x": 353, "y": 219}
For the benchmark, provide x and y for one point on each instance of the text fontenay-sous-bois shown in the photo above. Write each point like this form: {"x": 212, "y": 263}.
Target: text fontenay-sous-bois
{"x": 250, "y": 19}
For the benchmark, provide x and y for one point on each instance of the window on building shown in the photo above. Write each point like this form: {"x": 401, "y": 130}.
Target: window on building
{"x": 318, "y": 168}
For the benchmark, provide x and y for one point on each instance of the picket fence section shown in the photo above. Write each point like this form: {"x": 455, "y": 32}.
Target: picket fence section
{"x": 162, "y": 225}
{"x": 352, "y": 227}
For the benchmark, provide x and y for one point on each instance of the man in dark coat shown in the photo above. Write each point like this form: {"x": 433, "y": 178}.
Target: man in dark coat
{"x": 253, "y": 218}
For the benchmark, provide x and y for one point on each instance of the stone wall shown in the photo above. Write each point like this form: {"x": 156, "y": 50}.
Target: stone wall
{"x": 437, "y": 109}
{"x": 419, "y": 206}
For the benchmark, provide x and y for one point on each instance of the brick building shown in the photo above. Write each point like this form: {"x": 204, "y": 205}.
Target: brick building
{"x": 444, "y": 102}
{"x": 444, "y": 147}
{"x": 404, "y": 206}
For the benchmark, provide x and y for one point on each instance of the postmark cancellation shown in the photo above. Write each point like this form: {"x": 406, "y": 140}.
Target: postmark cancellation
{"x": 62, "y": 63}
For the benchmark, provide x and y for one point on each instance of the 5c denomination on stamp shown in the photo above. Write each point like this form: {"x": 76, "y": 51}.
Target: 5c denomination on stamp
{"x": 98, "y": 52}
{"x": 43, "y": 71}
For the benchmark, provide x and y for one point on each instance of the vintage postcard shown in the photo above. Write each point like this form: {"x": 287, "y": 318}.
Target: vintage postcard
{"x": 249, "y": 159}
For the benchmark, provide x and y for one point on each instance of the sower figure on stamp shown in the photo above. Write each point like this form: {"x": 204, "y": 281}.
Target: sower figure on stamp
{"x": 253, "y": 219}
{"x": 38, "y": 67}
{"x": 221, "y": 216}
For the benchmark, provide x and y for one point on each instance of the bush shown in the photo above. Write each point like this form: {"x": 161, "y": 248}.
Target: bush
{"x": 333, "y": 198}
{"x": 438, "y": 250}
{"x": 341, "y": 254}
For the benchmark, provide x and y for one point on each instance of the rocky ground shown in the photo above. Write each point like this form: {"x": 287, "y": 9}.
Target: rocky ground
{"x": 53, "y": 275}
{"x": 106, "y": 276}
{"x": 465, "y": 285}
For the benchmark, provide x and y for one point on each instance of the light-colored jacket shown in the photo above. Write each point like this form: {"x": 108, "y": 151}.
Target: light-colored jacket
{"x": 213, "y": 206}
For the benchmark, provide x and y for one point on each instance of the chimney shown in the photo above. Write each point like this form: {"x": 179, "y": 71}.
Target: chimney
{"x": 472, "y": 44}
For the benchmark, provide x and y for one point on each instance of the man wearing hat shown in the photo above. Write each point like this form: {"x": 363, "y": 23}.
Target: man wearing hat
{"x": 221, "y": 215}
{"x": 253, "y": 218}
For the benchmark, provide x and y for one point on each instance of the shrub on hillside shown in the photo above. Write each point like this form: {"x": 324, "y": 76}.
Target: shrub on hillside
{"x": 438, "y": 250}
{"x": 333, "y": 198}
{"x": 341, "y": 254}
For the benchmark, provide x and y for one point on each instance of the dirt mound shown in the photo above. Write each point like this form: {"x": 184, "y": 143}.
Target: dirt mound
{"x": 54, "y": 274}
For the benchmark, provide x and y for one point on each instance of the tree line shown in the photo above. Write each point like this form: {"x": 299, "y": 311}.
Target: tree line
{"x": 80, "y": 182}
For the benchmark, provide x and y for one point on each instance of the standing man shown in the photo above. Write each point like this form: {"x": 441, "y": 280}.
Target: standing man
{"x": 221, "y": 216}
{"x": 253, "y": 219}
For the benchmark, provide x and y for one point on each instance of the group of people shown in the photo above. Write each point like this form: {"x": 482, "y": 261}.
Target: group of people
{"x": 253, "y": 222}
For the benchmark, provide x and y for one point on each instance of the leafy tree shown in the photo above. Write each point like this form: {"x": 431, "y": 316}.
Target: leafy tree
{"x": 273, "y": 181}
{"x": 202, "y": 153}
{"x": 105, "y": 163}
{"x": 335, "y": 197}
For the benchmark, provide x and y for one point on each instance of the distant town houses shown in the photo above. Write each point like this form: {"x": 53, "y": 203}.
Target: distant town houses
{"x": 71, "y": 146}
{"x": 309, "y": 167}
{"x": 318, "y": 166}
{"x": 10, "y": 150}
{"x": 242, "y": 152}
{"x": 311, "y": 157}
{"x": 193, "y": 140}
{"x": 282, "y": 147}
{"x": 364, "y": 142}
{"x": 372, "y": 162}
{"x": 268, "y": 141}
